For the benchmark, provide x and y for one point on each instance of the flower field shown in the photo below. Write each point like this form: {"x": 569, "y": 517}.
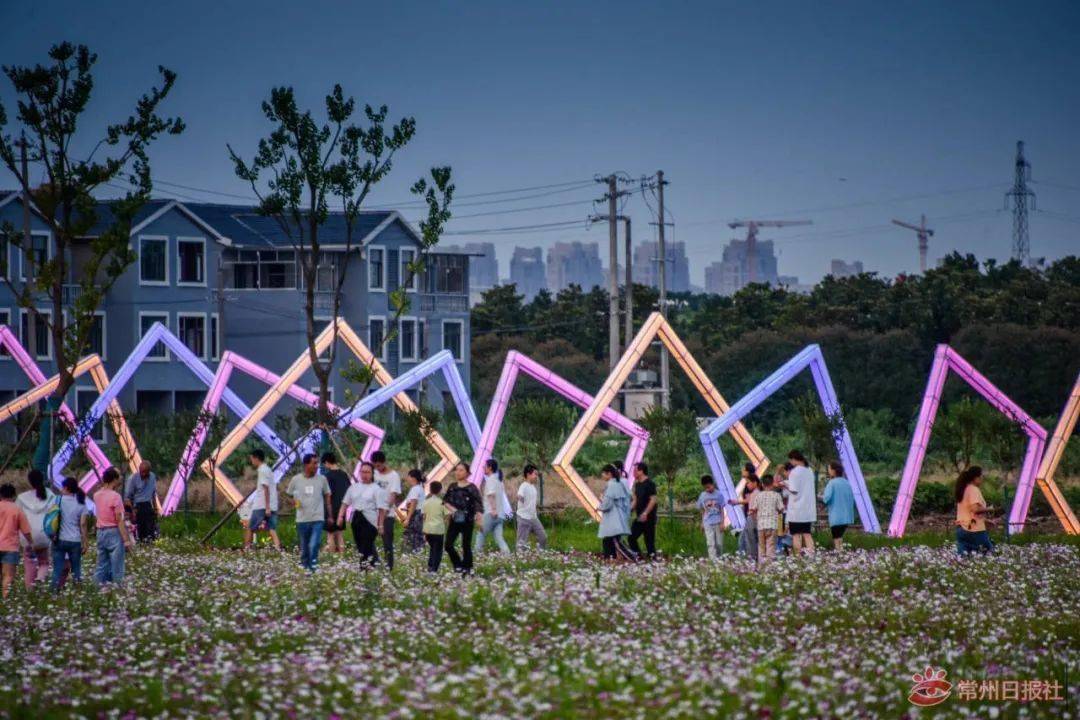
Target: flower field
{"x": 214, "y": 633}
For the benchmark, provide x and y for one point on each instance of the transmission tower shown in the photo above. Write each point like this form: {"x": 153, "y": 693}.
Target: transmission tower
{"x": 1019, "y": 197}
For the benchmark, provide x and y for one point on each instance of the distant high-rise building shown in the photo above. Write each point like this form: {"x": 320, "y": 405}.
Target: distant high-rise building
{"x": 732, "y": 273}
{"x": 841, "y": 269}
{"x": 483, "y": 267}
{"x": 647, "y": 271}
{"x": 527, "y": 271}
{"x": 574, "y": 263}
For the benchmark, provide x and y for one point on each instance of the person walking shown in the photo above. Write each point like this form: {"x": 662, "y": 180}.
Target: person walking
{"x": 528, "y": 521}
{"x": 614, "y": 509}
{"x": 767, "y": 505}
{"x": 748, "y": 538}
{"x": 840, "y": 501}
{"x": 971, "y": 533}
{"x": 310, "y": 492}
{"x": 339, "y": 484}
{"x": 435, "y": 513}
{"x": 711, "y": 504}
{"x": 468, "y": 506}
{"x": 14, "y": 527}
{"x": 113, "y": 539}
{"x": 414, "y": 516}
{"x": 802, "y": 504}
{"x": 365, "y": 499}
{"x": 72, "y": 537}
{"x": 264, "y": 504}
{"x": 140, "y": 498}
{"x": 494, "y": 497}
{"x": 35, "y": 503}
{"x": 645, "y": 499}
{"x": 389, "y": 482}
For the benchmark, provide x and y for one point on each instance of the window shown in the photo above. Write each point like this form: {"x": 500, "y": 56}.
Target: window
{"x": 40, "y": 250}
{"x": 191, "y": 327}
{"x": 314, "y": 390}
{"x": 153, "y": 260}
{"x": 215, "y": 337}
{"x": 5, "y": 257}
{"x": 85, "y": 398}
{"x": 421, "y": 339}
{"x": 407, "y": 339}
{"x": 376, "y": 268}
{"x": 245, "y": 269}
{"x": 376, "y": 335}
{"x": 453, "y": 332}
{"x": 277, "y": 270}
{"x": 408, "y": 257}
{"x": 191, "y": 261}
{"x": 39, "y": 343}
{"x": 146, "y": 320}
{"x": 446, "y": 274}
{"x": 96, "y": 342}
{"x": 5, "y": 319}
{"x": 326, "y": 273}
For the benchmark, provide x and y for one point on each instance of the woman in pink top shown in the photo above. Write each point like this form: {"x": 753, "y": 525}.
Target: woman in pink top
{"x": 112, "y": 534}
{"x": 13, "y": 523}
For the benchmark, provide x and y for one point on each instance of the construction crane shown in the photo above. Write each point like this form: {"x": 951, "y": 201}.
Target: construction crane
{"x": 923, "y": 234}
{"x": 751, "y": 239}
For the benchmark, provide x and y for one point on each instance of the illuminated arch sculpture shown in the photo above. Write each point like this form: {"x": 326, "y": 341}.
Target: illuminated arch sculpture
{"x": 810, "y": 357}
{"x": 655, "y": 326}
{"x": 231, "y": 361}
{"x": 1044, "y": 476}
{"x": 44, "y": 387}
{"x": 946, "y": 359}
{"x": 107, "y": 397}
{"x": 279, "y": 390}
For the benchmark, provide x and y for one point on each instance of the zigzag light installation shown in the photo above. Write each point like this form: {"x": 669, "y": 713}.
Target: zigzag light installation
{"x": 946, "y": 359}
{"x": 655, "y": 326}
{"x": 107, "y": 397}
{"x": 43, "y": 388}
{"x": 809, "y": 357}
{"x": 517, "y": 363}
{"x": 231, "y": 361}
{"x": 1044, "y": 476}
{"x": 251, "y": 419}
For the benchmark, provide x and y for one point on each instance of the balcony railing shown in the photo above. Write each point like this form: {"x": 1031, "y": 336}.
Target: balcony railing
{"x": 440, "y": 302}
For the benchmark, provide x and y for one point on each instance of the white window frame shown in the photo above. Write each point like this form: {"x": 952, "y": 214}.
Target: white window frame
{"x": 23, "y": 312}
{"x": 154, "y": 283}
{"x": 213, "y": 332}
{"x": 381, "y": 353}
{"x": 205, "y": 332}
{"x": 6, "y": 314}
{"x": 314, "y": 390}
{"x": 461, "y": 338}
{"x": 158, "y": 314}
{"x": 21, "y": 252}
{"x": 101, "y": 426}
{"x": 403, "y": 269}
{"x": 104, "y": 334}
{"x": 414, "y": 351}
{"x": 367, "y": 267}
{"x": 179, "y": 266}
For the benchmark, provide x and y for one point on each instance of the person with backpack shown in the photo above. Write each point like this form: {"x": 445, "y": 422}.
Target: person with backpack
{"x": 35, "y": 503}
{"x": 68, "y": 531}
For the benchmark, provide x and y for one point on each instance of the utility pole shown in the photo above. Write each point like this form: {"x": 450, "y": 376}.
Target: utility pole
{"x": 629, "y": 283}
{"x": 665, "y": 369}
{"x": 613, "y": 268}
{"x": 1019, "y": 196}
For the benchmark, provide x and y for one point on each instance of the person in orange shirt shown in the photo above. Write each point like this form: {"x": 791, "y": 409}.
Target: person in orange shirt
{"x": 13, "y": 523}
{"x": 112, "y": 534}
{"x": 971, "y": 533}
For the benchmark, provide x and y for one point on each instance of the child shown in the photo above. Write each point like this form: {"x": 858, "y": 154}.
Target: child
{"x": 435, "y": 513}
{"x": 414, "y": 520}
{"x": 711, "y": 504}
{"x": 748, "y": 537}
{"x": 13, "y": 525}
{"x": 34, "y": 503}
{"x": 767, "y": 506}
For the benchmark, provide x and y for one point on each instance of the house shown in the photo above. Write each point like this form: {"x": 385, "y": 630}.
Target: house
{"x": 224, "y": 277}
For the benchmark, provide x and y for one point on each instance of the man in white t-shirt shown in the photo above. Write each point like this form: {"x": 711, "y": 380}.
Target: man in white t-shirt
{"x": 389, "y": 483}
{"x": 802, "y": 504}
{"x": 528, "y": 523}
{"x": 264, "y": 501}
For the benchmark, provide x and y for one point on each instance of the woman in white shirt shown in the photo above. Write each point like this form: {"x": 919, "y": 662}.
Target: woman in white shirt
{"x": 414, "y": 519}
{"x": 494, "y": 500}
{"x": 35, "y": 503}
{"x": 802, "y": 504}
{"x": 369, "y": 511}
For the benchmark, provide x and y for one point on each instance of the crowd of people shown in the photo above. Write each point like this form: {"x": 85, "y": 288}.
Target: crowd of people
{"x": 50, "y": 532}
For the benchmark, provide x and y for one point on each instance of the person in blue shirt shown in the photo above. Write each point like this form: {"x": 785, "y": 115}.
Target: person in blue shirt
{"x": 711, "y": 504}
{"x": 841, "y": 503}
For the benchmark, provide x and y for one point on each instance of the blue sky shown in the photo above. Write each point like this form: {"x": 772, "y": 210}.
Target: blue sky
{"x": 846, "y": 113}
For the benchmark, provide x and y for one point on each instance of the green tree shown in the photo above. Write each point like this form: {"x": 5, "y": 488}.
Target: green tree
{"x": 819, "y": 430}
{"x": 417, "y": 427}
{"x": 540, "y": 425}
{"x": 959, "y": 429}
{"x": 672, "y": 437}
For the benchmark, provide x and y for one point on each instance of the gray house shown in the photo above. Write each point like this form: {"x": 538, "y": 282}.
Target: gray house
{"x": 223, "y": 277}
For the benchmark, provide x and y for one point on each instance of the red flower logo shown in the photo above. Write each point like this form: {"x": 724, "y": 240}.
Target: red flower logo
{"x": 930, "y": 688}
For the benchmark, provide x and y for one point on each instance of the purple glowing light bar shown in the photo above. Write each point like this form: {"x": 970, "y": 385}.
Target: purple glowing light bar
{"x": 946, "y": 359}
{"x": 515, "y": 363}
{"x": 810, "y": 357}
{"x": 217, "y": 389}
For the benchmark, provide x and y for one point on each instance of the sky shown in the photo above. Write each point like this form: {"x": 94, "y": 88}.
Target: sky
{"x": 848, "y": 114}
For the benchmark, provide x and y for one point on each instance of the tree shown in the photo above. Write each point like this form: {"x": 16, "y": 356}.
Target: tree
{"x": 417, "y": 426}
{"x": 959, "y": 429}
{"x": 540, "y": 425}
{"x": 89, "y": 249}
{"x": 819, "y": 430}
{"x": 672, "y": 437}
